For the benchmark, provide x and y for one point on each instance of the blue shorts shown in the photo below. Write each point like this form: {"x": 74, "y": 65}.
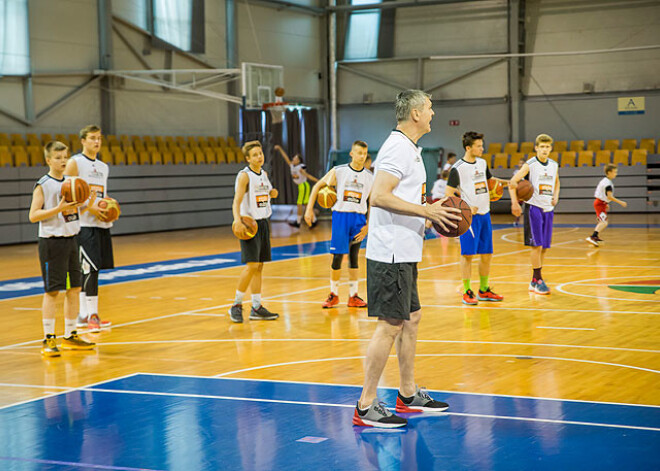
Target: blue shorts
{"x": 479, "y": 237}
{"x": 345, "y": 226}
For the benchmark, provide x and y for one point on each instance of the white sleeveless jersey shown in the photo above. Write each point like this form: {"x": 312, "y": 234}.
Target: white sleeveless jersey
{"x": 64, "y": 224}
{"x": 256, "y": 201}
{"x": 601, "y": 189}
{"x": 471, "y": 179}
{"x": 95, "y": 173}
{"x": 353, "y": 189}
{"x": 297, "y": 175}
{"x": 542, "y": 176}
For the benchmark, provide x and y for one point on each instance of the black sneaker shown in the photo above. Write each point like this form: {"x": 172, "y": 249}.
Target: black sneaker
{"x": 419, "y": 402}
{"x": 294, "y": 224}
{"x": 262, "y": 314}
{"x": 236, "y": 313}
{"x": 377, "y": 415}
{"x": 314, "y": 224}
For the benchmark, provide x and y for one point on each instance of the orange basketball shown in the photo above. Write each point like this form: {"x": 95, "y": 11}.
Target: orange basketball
{"x": 75, "y": 189}
{"x": 524, "y": 190}
{"x": 251, "y": 231}
{"x": 279, "y": 91}
{"x": 463, "y": 225}
{"x": 327, "y": 197}
{"x": 495, "y": 189}
{"x": 112, "y": 206}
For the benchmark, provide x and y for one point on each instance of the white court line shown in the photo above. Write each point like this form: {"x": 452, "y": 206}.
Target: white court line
{"x": 396, "y": 389}
{"x": 565, "y": 328}
{"x": 351, "y": 406}
{"x": 27, "y": 309}
{"x": 34, "y": 386}
{"x": 593, "y": 267}
{"x": 505, "y": 236}
{"x": 561, "y": 289}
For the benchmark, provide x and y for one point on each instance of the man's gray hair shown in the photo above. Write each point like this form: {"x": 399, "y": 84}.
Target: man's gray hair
{"x": 407, "y": 101}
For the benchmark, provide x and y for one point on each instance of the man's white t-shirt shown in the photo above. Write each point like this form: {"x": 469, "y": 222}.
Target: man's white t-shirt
{"x": 396, "y": 238}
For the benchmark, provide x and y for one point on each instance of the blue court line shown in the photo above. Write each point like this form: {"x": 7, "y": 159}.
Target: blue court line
{"x": 16, "y": 288}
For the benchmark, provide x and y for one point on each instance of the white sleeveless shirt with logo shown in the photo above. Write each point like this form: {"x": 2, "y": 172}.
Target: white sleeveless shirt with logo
{"x": 353, "y": 189}
{"x": 256, "y": 201}
{"x": 95, "y": 173}
{"x": 64, "y": 224}
{"x": 601, "y": 190}
{"x": 472, "y": 183}
{"x": 297, "y": 175}
{"x": 542, "y": 176}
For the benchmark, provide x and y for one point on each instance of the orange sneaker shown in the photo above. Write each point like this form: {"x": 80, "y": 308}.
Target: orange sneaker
{"x": 332, "y": 301}
{"x": 356, "y": 301}
{"x": 469, "y": 298}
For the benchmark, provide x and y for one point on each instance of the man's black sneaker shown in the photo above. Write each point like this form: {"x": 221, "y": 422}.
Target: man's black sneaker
{"x": 377, "y": 415}
{"x": 262, "y": 314}
{"x": 236, "y": 313}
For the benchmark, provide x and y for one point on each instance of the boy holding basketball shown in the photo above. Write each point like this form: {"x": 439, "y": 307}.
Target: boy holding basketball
{"x": 468, "y": 180}
{"x": 95, "y": 241}
{"x": 349, "y": 219}
{"x": 252, "y": 198}
{"x": 543, "y": 173}
{"x": 604, "y": 194}
{"x": 59, "y": 224}
{"x": 300, "y": 176}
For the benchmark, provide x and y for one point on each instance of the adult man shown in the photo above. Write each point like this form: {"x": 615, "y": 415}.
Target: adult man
{"x": 394, "y": 246}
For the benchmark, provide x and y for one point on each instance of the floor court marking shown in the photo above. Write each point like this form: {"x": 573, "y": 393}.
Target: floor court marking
{"x": 564, "y": 328}
{"x": 561, "y": 289}
{"x": 430, "y": 341}
{"x": 71, "y": 463}
{"x": 505, "y": 236}
{"x": 362, "y": 357}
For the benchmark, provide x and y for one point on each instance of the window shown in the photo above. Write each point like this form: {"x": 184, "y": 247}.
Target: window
{"x": 133, "y": 11}
{"x": 172, "y": 22}
{"x": 363, "y": 29}
{"x": 14, "y": 38}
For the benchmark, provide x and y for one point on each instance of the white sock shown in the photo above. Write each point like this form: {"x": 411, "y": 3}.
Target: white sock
{"x": 239, "y": 297}
{"x": 92, "y": 305}
{"x": 82, "y": 310}
{"x": 299, "y": 219}
{"x": 334, "y": 286}
{"x": 352, "y": 288}
{"x": 69, "y": 326}
{"x": 49, "y": 326}
{"x": 256, "y": 300}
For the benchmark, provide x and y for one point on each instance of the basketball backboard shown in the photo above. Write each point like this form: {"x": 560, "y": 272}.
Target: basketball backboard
{"x": 260, "y": 82}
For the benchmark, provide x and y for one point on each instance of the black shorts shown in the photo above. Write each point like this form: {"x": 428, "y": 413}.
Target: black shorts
{"x": 392, "y": 289}
{"x": 59, "y": 263}
{"x": 257, "y": 249}
{"x": 95, "y": 249}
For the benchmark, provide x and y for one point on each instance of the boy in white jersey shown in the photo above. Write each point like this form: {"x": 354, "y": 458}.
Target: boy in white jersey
{"x": 252, "y": 198}
{"x": 468, "y": 179}
{"x": 543, "y": 174}
{"x": 300, "y": 176}
{"x": 58, "y": 251}
{"x": 349, "y": 219}
{"x": 95, "y": 240}
{"x": 603, "y": 195}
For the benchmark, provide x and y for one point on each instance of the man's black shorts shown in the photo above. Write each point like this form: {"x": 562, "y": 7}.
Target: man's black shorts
{"x": 59, "y": 260}
{"x": 96, "y": 248}
{"x": 392, "y": 289}
{"x": 257, "y": 249}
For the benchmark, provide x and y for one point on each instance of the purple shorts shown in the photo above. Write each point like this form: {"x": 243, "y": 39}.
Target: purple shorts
{"x": 538, "y": 227}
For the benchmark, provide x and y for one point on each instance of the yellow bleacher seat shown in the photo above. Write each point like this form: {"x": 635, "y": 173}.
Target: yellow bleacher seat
{"x": 20, "y": 156}
{"x": 515, "y": 158}
{"x": 629, "y": 144}
{"x": 648, "y": 144}
{"x": 4, "y": 139}
{"x": 500, "y": 160}
{"x": 178, "y": 157}
{"x": 156, "y": 157}
{"x": 181, "y": 141}
{"x": 75, "y": 146}
{"x": 585, "y": 158}
{"x": 621, "y": 157}
{"x": 5, "y": 157}
{"x": 594, "y": 145}
{"x": 560, "y": 146}
{"x": 138, "y": 145}
{"x": 510, "y": 148}
{"x": 32, "y": 140}
{"x": 611, "y": 144}
{"x": 209, "y": 154}
{"x": 63, "y": 138}
{"x": 526, "y": 147}
{"x": 74, "y": 138}
{"x": 488, "y": 158}
{"x": 148, "y": 141}
{"x": 131, "y": 157}
{"x": 553, "y": 155}
{"x": 231, "y": 155}
{"x": 577, "y": 146}
{"x": 212, "y": 141}
{"x": 220, "y": 155}
{"x": 639, "y": 157}
{"x": 231, "y": 142}
{"x": 168, "y": 158}
{"x": 603, "y": 157}
{"x": 200, "y": 158}
{"x": 192, "y": 143}
{"x": 162, "y": 147}
{"x": 45, "y": 138}
{"x": 106, "y": 155}
{"x": 494, "y": 148}
{"x": 568, "y": 159}
{"x": 222, "y": 143}
{"x": 189, "y": 157}
{"x": 118, "y": 156}
{"x": 202, "y": 142}
{"x": 17, "y": 140}
{"x": 144, "y": 158}
{"x": 36, "y": 156}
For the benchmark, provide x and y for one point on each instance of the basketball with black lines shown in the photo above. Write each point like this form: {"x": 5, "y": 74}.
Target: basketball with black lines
{"x": 75, "y": 190}
{"x": 466, "y": 218}
{"x": 250, "y": 228}
{"x": 327, "y": 197}
{"x": 111, "y": 206}
{"x": 524, "y": 190}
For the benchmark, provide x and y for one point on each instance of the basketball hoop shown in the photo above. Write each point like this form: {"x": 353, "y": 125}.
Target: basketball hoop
{"x": 276, "y": 109}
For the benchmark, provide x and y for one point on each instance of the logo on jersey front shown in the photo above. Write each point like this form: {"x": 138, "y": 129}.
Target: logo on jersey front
{"x": 546, "y": 184}
{"x": 479, "y": 179}
{"x": 353, "y": 191}
{"x": 95, "y": 174}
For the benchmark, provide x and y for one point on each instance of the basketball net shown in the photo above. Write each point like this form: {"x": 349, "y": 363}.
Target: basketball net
{"x": 276, "y": 109}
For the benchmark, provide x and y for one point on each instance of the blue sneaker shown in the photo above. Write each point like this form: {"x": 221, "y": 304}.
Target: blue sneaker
{"x": 532, "y": 286}
{"x": 541, "y": 287}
